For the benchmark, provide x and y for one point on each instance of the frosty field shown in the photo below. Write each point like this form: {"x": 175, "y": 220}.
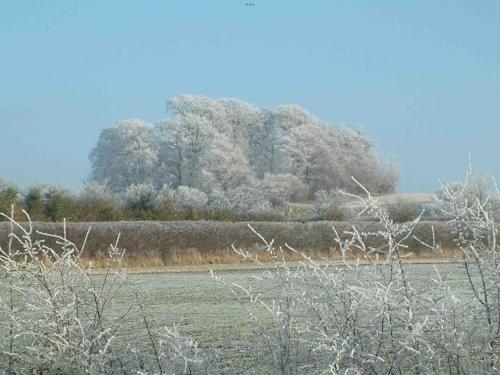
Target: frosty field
{"x": 205, "y": 310}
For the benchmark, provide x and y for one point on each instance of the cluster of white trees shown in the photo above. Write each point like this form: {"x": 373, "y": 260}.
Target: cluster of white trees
{"x": 227, "y": 149}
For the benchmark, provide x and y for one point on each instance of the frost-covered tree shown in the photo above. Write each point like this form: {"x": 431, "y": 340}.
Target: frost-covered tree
{"x": 224, "y": 165}
{"x": 220, "y": 145}
{"x": 242, "y": 119}
{"x": 265, "y": 146}
{"x": 124, "y": 155}
{"x": 308, "y": 154}
{"x": 184, "y": 140}
{"x": 210, "y": 110}
{"x": 360, "y": 159}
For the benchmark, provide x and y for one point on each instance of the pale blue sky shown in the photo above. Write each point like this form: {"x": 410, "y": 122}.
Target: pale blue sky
{"x": 421, "y": 77}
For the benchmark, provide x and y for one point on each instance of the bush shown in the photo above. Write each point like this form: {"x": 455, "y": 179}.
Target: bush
{"x": 96, "y": 203}
{"x": 9, "y": 196}
{"x": 329, "y": 206}
{"x": 403, "y": 211}
{"x": 191, "y": 201}
{"x": 139, "y": 201}
{"x": 34, "y": 202}
{"x": 279, "y": 189}
{"x": 165, "y": 205}
{"x": 476, "y": 187}
{"x": 59, "y": 204}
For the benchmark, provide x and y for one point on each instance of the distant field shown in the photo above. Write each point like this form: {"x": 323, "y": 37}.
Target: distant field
{"x": 305, "y": 211}
{"x": 209, "y": 313}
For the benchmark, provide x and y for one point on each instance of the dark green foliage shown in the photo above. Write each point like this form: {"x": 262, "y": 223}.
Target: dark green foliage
{"x": 98, "y": 209}
{"x": 34, "y": 203}
{"x": 59, "y": 205}
{"x": 8, "y": 197}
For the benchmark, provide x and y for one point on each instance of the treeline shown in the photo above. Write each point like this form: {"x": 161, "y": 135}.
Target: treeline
{"x": 138, "y": 202}
{"x": 95, "y": 202}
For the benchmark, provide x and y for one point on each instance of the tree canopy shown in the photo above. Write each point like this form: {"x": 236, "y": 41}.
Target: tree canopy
{"x": 227, "y": 147}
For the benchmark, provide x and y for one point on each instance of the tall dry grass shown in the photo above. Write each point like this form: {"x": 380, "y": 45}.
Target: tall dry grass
{"x": 158, "y": 244}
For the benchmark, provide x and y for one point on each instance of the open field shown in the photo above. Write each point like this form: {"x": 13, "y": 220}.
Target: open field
{"x": 208, "y": 312}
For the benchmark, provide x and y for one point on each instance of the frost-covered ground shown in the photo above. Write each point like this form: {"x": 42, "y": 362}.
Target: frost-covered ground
{"x": 208, "y": 312}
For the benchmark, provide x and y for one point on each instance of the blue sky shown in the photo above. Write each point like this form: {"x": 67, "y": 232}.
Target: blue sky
{"x": 421, "y": 77}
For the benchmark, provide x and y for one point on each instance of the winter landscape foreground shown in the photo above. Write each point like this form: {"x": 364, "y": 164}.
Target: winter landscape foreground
{"x": 306, "y": 260}
{"x": 368, "y": 310}
{"x": 220, "y": 322}
{"x": 333, "y": 272}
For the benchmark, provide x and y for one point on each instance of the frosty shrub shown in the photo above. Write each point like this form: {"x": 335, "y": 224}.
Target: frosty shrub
{"x": 57, "y": 316}
{"x": 367, "y": 314}
{"x": 402, "y": 211}
{"x": 191, "y": 201}
{"x": 165, "y": 204}
{"x": 476, "y": 186}
{"x": 191, "y": 198}
{"x": 250, "y": 203}
{"x": 139, "y": 199}
{"x": 329, "y": 205}
{"x": 165, "y": 197}
{"x": 95, "y": 190}
{"x": 219, "y": 207}
{"x": 97, "y": 203}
